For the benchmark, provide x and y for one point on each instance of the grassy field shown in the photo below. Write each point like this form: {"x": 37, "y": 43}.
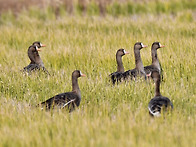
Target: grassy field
{"x": 108, "y": 115}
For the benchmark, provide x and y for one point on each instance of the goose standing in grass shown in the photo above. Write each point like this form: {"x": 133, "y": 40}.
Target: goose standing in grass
{"x": 69, "y": 99}
{"x": 117, "y": 76}
{"x": 139, "y": 68}
{"x": 155, "y": 66}
{"x": 36, "y": 62}
{"x": 159, "y": 103}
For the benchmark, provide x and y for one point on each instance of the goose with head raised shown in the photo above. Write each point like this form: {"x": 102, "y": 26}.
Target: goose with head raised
{"x": 139, "y": 68}
{"x": 155, "y": 66}
{"x": 36, "y": 62}
{"x": 117, "y": 76}
{"x": 69, "y": 99}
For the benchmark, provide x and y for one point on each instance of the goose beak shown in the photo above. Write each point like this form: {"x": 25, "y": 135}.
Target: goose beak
{"x": 43, "y": 45}
{"x": 149, "y": 74}
{"x": 83, "y": 75}
{"x": 144, "y": 46}
{"x": 39, "y": 49}
{"x": 162, "y": 46}
{"x": 126, "y": 52}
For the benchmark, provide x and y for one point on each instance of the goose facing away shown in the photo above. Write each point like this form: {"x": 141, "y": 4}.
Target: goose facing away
{"x": 69, "y": 99}
{"x": 159, "y": 103}
{"x": 155, "y": 66}
{"x": 36, "y": 62}
{"x": 139, "y": 68}
{"x": 117, "y": 76}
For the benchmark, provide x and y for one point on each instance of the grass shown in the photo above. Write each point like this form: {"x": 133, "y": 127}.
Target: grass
{"x": 99, "y": 7}
{"x": 107, "y": 116}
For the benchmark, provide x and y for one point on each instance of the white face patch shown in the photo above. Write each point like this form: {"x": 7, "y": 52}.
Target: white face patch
{"x": 142, "y": 44}
{"x": 36, "y": 47}
{"x": 40, "y": 44}
{"x": 124, "y": 51}
{"x": 159, "y": 44}
{"x": 81, "y": 73}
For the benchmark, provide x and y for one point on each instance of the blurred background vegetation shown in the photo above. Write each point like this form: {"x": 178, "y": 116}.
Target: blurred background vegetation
{"x": 85, "y": 34}
{"x": 101, "y": 7}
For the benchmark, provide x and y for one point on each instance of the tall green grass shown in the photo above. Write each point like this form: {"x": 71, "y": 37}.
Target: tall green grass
{"x": 108, "y": 115}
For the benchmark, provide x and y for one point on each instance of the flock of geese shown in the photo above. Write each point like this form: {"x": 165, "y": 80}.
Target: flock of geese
{"x": 72, "y": 99}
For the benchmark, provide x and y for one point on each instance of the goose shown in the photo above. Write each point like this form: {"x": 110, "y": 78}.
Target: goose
{"x": 158, "y": 103}
{"x": 68, "y": 99}
{"x": 117, "y": 76}
{"x": 139, "y": 68}
{"x": 155, "y": 66}
{"x": 36, "y": 62}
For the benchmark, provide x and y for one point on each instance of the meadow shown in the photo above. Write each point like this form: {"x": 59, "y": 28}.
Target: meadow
{"x": 108, "y": 115}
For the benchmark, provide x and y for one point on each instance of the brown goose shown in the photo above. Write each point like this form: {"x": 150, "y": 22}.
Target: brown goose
{"x": 117, "y": 76}
{"x": 68, "y": 99}
{"x": 155, "y": 66}
{"x": 139, "y": 68}
{"x": 159, "y": 103}
{"x": 36, "y": 62}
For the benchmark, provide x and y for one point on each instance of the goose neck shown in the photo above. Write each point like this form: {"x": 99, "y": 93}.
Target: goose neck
{"x": 138, "y": 60}
{"x": 157, "y": 86}
{"x": 75, "y": 86}
{"x": 120, "y": 67}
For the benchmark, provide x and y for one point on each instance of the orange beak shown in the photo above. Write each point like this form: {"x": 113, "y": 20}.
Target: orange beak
{"x": 83, "y": 75}
{"x": 43, "y": 45}
{"x": 144, "y": 46}
{"x": 148, "y": 75}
